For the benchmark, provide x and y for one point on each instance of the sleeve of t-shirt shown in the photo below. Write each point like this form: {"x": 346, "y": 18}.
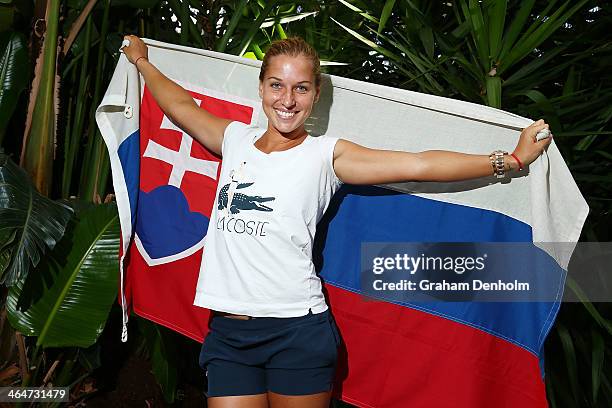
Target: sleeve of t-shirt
{"x": 232, "y": 135}
{"x": 327, "y": 145}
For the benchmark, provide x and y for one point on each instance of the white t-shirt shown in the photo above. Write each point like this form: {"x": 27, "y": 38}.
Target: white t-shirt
{"x": 258, "y": 250}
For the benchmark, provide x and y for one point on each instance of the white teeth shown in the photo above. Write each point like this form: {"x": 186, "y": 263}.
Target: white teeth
{"x": 285, "y": 114}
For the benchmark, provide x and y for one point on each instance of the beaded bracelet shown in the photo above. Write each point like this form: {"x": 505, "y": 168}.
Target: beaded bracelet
{"x": 138, "y": 59}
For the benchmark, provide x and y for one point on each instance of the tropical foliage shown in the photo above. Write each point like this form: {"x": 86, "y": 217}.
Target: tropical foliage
{"x": 59, "y": 241}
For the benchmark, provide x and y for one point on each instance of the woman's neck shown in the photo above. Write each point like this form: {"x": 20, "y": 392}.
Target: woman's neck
{"x": 274, "y": 141}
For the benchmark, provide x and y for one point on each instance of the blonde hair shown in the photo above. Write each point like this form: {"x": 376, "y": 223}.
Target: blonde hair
{"x": 294, "y": 47}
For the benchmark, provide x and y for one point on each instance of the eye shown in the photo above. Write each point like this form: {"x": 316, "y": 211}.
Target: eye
{"x": 301, "y": 88}
{"x": 275, "y": 85}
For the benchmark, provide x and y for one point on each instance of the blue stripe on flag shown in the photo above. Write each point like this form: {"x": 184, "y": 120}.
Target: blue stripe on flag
{"x": 372, "y": 214}
{"x": 129, "y": 155}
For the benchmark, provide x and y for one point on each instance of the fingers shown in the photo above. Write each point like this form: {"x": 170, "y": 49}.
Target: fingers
{"x": 543, "y": 144}
{"x": 537, "y": 126}
{"x": 537, "y": 145}
{"x": 133, "y": 48}
{"x": 126, "y": 43}
{"x": 540, "y": 127}
{"x": 533, "y": 131}
{"x": 546, "y": 141}
{"x": 538, "y": 122}
{"x": 529, "y": 147}
{"x": 129, "y": 39}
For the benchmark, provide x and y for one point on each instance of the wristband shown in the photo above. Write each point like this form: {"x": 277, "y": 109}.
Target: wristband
{"x": 138, "y": 59}
{"x": 518, "y": 161}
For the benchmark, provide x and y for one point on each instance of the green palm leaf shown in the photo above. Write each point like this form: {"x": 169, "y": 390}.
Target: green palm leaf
{"x": 569, "y": 351}
{"x": 255, "y": 27}
{"x": 13, "y": 74}
{"x": 67, "y": 302}
{"x": 270, "y": 21}
{"x": 361, "y": 12}
{"x": 386, "y": 13}
{"x": 233, "y": 23}
{"x": 517, "y": 25}
{"x": 597, "y": 360}
{"x": 536, "y": 34}
{"x": 473, "y": 13}
{"x": 33, "y": 221}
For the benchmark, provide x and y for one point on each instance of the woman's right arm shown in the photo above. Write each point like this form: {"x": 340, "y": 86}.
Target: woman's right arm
{"x": 175, "y": 101}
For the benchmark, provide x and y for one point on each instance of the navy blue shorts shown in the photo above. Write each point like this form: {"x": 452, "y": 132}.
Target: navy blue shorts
{"x": 289, "y": 356}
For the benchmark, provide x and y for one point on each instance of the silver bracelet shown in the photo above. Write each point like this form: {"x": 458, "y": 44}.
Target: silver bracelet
{"x": 498, "y": 162}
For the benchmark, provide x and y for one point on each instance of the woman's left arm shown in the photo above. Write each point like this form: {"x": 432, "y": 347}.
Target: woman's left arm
{"x": 355, "y": 164}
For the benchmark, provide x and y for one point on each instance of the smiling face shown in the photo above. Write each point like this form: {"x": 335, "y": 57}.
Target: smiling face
{"x": 288, "y": 93}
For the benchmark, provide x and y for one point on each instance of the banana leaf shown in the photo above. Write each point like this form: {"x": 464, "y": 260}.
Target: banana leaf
{"x": 33, "y": 221}
{"x": 39, "y": 137}
{"x": 163, "y": 352}
{"x": 14, "y": 67}
{"x": 67, "y": 301}
{"x": 7, "y": 238}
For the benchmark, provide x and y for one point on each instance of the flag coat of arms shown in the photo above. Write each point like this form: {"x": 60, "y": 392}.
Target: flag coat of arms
{"x": 394, "y": 354}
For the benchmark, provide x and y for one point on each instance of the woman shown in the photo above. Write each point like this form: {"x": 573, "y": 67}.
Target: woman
{"x": 272, "y": 341}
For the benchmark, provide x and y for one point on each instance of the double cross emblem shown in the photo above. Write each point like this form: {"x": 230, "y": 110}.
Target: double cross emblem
{"x": 182, "y": 160}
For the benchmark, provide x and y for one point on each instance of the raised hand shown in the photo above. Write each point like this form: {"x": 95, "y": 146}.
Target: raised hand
{"x": 528, "y": 148}
{"x": 135, "y": 50}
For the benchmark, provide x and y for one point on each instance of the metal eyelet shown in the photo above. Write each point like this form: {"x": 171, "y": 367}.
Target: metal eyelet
{"x": 127, "y": 112}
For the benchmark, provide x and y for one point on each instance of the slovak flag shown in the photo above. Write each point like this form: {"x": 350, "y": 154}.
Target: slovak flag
{"x": 178, "y": 181}
{"x": 395, "y": 353}
{"x": 171, "y": 181}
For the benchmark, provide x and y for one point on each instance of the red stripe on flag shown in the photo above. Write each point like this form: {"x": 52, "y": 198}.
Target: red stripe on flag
{"x": 394, "y": 356}
{"x": 165, "y": 293}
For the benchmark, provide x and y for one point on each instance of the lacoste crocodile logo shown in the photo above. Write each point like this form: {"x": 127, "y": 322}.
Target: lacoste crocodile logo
{"x": 242, "y": 202}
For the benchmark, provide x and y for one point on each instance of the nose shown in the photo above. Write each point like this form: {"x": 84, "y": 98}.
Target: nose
{"x": 287, "y": 98}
